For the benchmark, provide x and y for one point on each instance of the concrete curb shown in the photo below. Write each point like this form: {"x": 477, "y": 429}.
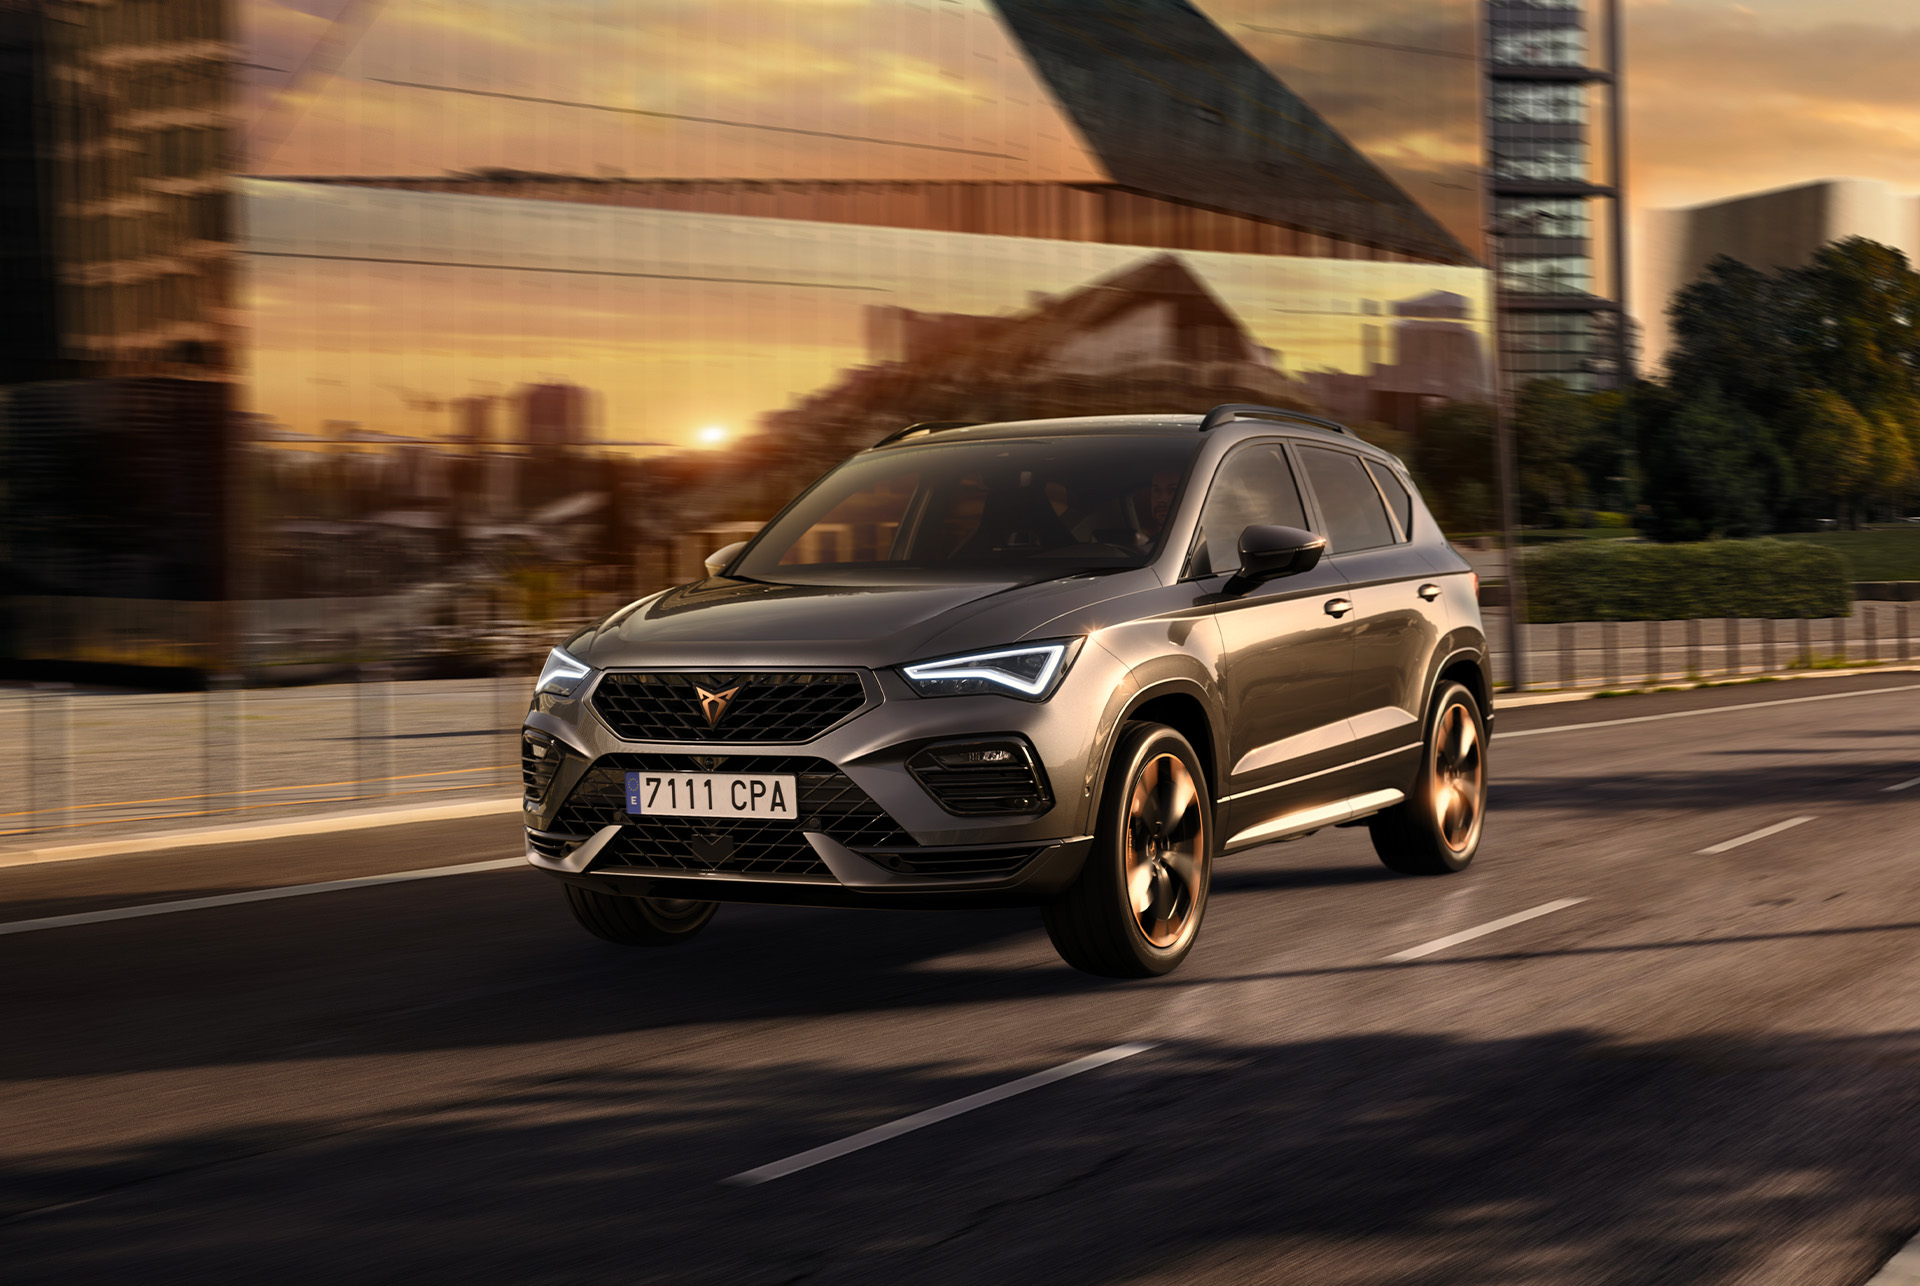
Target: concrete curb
{"x": 321, "y": 825}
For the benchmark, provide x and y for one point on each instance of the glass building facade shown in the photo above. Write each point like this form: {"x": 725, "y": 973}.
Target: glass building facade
{"x": 453, "y": 263}
{"x": 1552, "y": 159}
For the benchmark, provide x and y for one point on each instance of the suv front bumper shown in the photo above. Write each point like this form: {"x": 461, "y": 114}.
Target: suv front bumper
{"x": 908, "y": 850}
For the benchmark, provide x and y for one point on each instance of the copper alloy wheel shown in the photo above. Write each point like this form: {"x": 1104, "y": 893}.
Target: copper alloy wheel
{"x": 1459, "y": 777}
{"x": 1166, "y": 846}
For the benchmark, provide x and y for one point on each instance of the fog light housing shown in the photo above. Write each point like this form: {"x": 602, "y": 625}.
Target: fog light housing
{"x": 983, "y": 776}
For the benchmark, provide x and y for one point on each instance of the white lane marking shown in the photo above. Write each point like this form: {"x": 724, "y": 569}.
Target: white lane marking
{"x": 907, "y": 1124}
{"x": 255, "y": 895}
{"x": 1482, "y": 930}
{"x": 1901, "y": 785}
{"x": 1902, "y": 1270}
{"x": 1689, "y": 714}
{"x": 1751, "y": 836}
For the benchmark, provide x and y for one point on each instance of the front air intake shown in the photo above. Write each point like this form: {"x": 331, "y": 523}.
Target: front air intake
{"x": 978, "y": 778}
{"x": 539, "y": 761}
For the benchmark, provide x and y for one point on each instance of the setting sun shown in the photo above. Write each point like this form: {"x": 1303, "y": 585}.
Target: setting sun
{"x": 713, "y": 435}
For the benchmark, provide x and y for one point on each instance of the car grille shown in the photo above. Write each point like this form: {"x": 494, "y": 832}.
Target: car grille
{"x": 829, "y": 803}
{"x": 791, "y": 706}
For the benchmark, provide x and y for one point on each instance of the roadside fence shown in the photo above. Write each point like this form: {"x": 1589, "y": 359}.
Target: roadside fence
{"x": 1610, "y": 654}
{"x": 94, "y": 764}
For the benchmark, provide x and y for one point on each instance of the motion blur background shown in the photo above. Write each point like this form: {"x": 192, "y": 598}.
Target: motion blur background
{"x": 388, "y": 339}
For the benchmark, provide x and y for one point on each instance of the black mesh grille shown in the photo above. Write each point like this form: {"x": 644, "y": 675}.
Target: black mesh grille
{"x": 539, "y": 761}
{"x": 829, "y": 803}
{"x": 750, "y": 707}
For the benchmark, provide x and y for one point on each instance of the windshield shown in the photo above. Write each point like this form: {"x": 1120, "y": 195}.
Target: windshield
{"x": 1025, "y": 508}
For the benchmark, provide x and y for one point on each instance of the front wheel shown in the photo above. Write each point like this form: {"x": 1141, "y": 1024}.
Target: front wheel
{"x": 638, "y": 922}
{"x": 1135, "y": 910}
{"x": 1436, "y": 830}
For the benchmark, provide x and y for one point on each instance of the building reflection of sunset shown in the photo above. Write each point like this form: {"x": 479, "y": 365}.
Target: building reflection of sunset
{"x": 679, "y": 319}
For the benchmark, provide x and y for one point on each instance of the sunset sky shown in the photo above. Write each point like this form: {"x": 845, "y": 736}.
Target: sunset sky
{"x": 1730, "y": 98}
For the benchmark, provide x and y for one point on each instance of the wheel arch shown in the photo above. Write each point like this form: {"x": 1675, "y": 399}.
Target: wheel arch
{"x": 1182, "y": 705}
{"x": 1466, "y": 664}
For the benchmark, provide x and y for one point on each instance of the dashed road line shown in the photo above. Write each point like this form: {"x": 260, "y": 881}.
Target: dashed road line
{"x": 1750, "y": 836}
{"x": 1904, "y": 785}
{"x": 254, "y": 895}
{"x": 1482, "y": 930}
{"x": 946, "y": 1111}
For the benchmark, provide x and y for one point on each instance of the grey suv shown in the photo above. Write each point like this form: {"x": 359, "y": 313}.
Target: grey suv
{"x": 1064, "y": 663}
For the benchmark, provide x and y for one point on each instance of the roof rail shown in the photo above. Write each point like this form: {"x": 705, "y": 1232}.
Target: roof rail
{"x": 1231, "y": 411}
{"x": 925, "y": 426}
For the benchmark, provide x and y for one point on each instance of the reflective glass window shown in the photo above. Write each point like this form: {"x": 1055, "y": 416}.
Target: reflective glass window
{"x": 1539, "y": 159}
{"x": 1025, "y": 508}
{"x": 1399, "y": 499}
{"x": 1541, "y": 47}
{"x": 1349, "y": 502}
{"x": 1549, "y": 103}
{"x": 1254, "y": 486}
{"x": 1546, "y": 275}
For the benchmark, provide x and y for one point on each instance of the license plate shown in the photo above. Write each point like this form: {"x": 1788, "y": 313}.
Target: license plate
{"x": 711, "y": 795}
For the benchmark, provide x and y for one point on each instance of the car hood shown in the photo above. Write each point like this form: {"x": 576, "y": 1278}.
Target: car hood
{"x": 725, "y": 622}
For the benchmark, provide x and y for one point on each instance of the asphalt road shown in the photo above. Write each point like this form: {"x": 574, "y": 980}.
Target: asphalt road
{"x": 1707, "y": 1071}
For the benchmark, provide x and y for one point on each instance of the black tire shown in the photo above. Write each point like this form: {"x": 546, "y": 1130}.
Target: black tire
{"x": 1436, "y": 829}
{"x": 638, "y": 922}
{"x": 1136, "y": 907}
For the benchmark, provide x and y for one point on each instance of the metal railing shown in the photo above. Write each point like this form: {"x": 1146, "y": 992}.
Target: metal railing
{"x": 84, "y": 764}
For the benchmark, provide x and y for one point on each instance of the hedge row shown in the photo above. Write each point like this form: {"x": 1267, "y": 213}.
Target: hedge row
{"x": 1629, "y": 581}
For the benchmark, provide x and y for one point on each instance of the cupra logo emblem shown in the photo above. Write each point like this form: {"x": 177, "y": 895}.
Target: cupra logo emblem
{"x": 714, "y": 704}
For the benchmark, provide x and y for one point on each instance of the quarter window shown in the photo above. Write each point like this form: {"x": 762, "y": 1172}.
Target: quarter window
{"x": 1253, "y": 487}
{"x": 1399, "y": 499}
{"x": 1349, "y": 502}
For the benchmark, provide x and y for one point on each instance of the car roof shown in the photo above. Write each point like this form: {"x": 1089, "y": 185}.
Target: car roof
{"x": 1128, "y": 426}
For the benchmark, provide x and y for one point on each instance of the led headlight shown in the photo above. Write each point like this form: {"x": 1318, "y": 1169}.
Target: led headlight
{"x": 562, "y": 675}
{"x": 1030, "y": 671}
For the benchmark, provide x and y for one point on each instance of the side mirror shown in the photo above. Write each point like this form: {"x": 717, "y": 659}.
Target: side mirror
{"x": 717, "y": 561}
{"x": 1268, "y": 553}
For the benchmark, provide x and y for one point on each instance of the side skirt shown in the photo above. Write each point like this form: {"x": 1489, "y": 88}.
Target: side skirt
{"x": 1309, "y": 819}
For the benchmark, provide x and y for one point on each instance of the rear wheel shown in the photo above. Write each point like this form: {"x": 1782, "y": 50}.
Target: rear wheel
{"x": 638, "y": 922}
{"x": 1436, "y": 830}
{"x": 1136, "y": 908}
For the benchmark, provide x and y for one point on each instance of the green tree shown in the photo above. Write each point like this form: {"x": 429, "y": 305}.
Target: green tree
{"x": 1836, "y": 445}
{"x": 1825, "y": 362}
{"x": 1551, "y": 425}
{"x": 1706, "y": 463}
{"x": 1453, "y": 461}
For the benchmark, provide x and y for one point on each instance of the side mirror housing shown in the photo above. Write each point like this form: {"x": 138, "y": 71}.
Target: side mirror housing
{"x": 717, "y": 561}
{"x": 1268, "y": 553}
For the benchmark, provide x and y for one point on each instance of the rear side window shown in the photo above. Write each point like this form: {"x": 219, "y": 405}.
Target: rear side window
{"x": 1349, "y": 502}
{"x": 1399, "y": 499}
{"x": 1254, "y": 486}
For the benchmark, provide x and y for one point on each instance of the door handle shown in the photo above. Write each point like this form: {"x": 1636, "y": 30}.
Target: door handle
{"x": 1429, "y": 591}
{"x": 1339, "y": 606}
